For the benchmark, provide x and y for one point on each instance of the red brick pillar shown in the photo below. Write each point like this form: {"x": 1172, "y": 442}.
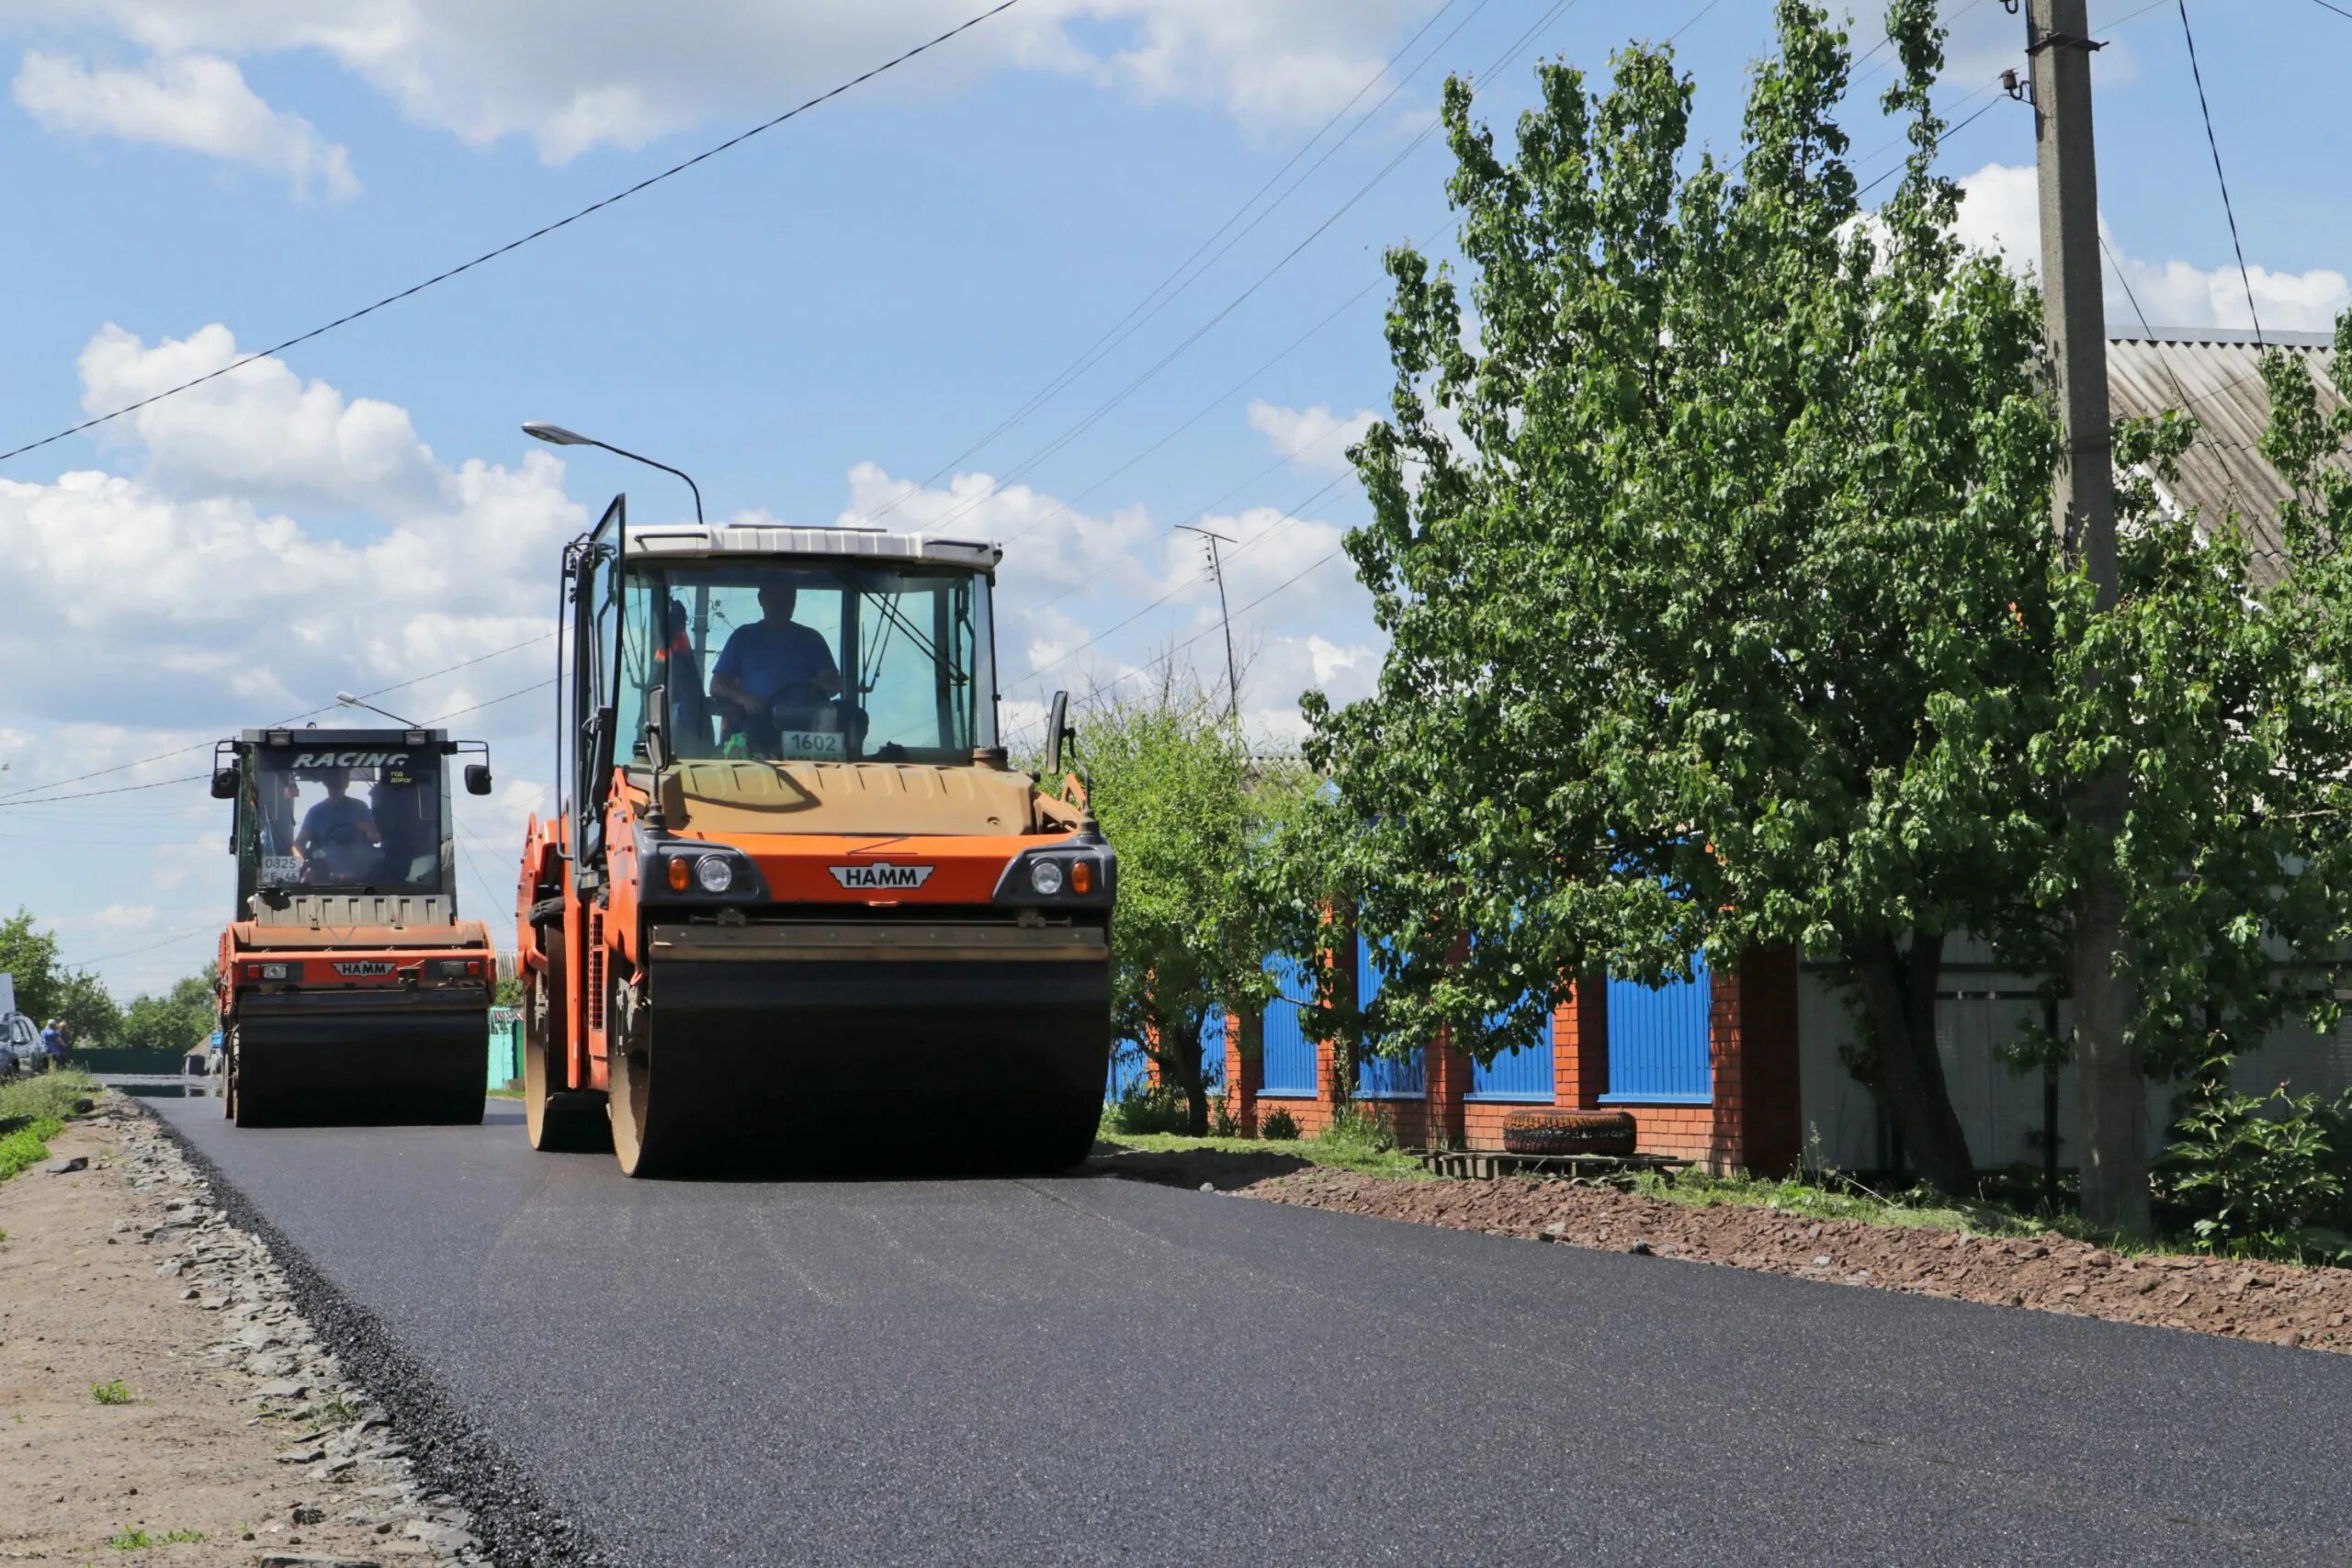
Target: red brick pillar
{"x": 1580, "y": 1044}
{"x": 1245, "y": 1066}
{"x": 1446, "y": 1080}
{"x": 1752, "y": 1046}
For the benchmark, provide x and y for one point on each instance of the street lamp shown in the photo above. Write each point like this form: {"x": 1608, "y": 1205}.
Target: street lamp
{"x": 555, "y": 435}
{"x": 348, "y": 700}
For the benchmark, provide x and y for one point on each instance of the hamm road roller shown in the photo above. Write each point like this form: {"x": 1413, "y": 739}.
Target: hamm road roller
{"x": 795, "y": 909}
{"x": 350, "y": 990}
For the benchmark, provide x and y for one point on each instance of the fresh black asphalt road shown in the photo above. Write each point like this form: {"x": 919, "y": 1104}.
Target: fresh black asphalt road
{"x": 1092, "y": 1370}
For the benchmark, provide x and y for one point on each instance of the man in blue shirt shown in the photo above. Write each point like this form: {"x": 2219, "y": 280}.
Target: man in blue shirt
{"x": 338, "y": 841}
{"x": 774, "y": 660}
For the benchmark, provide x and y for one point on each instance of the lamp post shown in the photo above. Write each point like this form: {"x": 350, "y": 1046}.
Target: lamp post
{"x": 348, "y": 700}
{"x": 555, "y": 435}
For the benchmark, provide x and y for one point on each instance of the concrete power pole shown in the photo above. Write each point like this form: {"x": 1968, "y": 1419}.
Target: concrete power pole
{"x": 2113, "y": 1151}
{"x": 1217, "y": 569}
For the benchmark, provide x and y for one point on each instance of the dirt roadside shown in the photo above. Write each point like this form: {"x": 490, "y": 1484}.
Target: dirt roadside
{"x": 2271, "y": 1303}
{"x": 160, "y": 1398}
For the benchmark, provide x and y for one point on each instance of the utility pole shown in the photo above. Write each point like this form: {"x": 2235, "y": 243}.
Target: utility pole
{"x": 1217, "y": 569}
{"x": 2114, "y": 1145}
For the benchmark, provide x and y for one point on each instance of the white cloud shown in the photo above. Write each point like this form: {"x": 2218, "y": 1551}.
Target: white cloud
{"x": 198, "y": 103}
{"x": 1314, "y": 438}
{"x": 2001, "y": 213}
{"x": 616, "y": 73}
{"x": 178, "y": 595}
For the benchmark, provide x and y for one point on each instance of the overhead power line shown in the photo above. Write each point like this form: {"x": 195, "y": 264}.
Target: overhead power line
{"x": 1161, "y": 294}
{"x": 1104, "y": 408}
{"x": 540, "y": 233}
{"x": 209, "y": 926}
{"x": 11, "y": 796}
{"x": 2227, "y": 210}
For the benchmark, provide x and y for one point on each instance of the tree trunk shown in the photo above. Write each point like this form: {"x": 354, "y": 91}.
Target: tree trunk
{"x": 1898, "y": 990}
{"x": 1182, "y": 1061}
{"x": 2111, "y": 1089}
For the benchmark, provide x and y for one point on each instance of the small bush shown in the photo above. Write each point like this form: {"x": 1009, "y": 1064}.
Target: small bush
{"x": 2254, "y": 1171}
{"x": 111, "y": 1392}
{"x": 1359, "y": 1126}
{"x": 1223, "y": 1123}
{"x": 1278, "y": 1124}
{"x": 1149, "y": 1108}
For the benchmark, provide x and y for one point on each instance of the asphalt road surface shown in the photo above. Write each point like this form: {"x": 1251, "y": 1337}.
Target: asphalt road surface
{"x": 1093, "y": 1370}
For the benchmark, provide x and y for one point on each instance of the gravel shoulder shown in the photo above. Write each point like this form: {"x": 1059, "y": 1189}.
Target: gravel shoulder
{"x": 164, "y": 1394}
{"x": 2273, "y": 1303}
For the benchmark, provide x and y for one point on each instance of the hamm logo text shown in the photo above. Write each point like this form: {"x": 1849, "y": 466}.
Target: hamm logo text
{"x": 870, "y": 878}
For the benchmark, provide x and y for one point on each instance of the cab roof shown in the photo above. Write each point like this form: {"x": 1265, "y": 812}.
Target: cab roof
{"x": 691, "y": 539}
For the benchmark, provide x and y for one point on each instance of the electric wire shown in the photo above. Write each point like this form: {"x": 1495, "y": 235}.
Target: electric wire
{"x": 1103, "y": 409}
{"x": 2227, "y": 210}
{"x": 208, "y": 927}
{"x": 540, "y": 233}
{"x": 1144, "y": 307}
{"x": 206, "y": 745}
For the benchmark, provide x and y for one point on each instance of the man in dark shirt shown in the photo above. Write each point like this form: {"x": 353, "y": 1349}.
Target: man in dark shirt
{"x": 338, "y": 841}
{"x": 775, "y": 658}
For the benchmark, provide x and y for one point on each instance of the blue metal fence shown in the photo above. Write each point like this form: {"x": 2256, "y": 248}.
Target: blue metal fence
{"x": 1130, "y": 1069}
{"x": 1384, "y": 1078}
{"x": 1288, "y": 1055}
{"x": 1524, "y": 1074}
{"x": 1658, "y": 1041}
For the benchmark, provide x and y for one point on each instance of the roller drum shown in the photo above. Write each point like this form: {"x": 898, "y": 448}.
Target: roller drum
{"x": 861, "y": 1058}
{"x": 349, "y": 1058}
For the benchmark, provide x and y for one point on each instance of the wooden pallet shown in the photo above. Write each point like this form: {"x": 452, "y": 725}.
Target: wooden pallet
{"x": 1484, "y": 1165}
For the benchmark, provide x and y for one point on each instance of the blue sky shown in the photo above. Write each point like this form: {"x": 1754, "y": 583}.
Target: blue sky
{"x": 812, "y": 325}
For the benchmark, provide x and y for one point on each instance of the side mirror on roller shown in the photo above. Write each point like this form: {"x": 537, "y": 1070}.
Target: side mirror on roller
{"x": 477, "y": 778}
{"x": 1057, "y": 731}
{"x": 224, "y": 784}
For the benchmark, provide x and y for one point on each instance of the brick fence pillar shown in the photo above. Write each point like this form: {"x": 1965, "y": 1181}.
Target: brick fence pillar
{"x": 1752, "y": 1044}
{"x": 1580, "y": 1044}
{"x": 1245, "y": 1066}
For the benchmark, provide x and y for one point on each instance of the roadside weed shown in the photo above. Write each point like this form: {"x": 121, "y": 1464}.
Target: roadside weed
{"x": 131, "y": 1537}
{"x": 111, "y": 1392}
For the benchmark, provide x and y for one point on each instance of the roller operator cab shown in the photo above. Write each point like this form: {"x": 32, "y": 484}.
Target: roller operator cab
{"x": 797, "y": 908}
{"x": 350, "y": 990}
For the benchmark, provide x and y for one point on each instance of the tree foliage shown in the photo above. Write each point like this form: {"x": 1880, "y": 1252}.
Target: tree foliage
{"x": 1714, "y": 568}
{"x": 1189, "y": 812}
{"x": 47, "y": 989}
{"x": 178, "y": 1020}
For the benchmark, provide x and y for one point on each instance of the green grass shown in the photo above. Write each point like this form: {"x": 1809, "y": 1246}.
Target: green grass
{"x": 131, "y": 1537}
{"x": 32, "y": 1111}
{"x": 112, "y": 1391}
{"x": 46, "y": 1094}
{"x": 1836, "y": 1197}
{"x": 1340, "y": 1154}
{"x": 27, "y": 1145}
{"x": 506, "y": 1094}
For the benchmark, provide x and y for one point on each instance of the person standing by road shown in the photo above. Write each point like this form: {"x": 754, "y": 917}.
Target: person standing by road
{"x": 52, "y": 1043}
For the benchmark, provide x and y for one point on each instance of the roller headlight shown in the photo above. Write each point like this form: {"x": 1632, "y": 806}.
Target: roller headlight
{"x": 1046, "y": 876}
{"x": 274, "y": 972}
{"x": 715, "y": 872}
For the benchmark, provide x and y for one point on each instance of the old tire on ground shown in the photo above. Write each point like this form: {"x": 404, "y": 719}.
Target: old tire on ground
{"x": 558, "y": 1120}
{"x": 1568, "y": 1132}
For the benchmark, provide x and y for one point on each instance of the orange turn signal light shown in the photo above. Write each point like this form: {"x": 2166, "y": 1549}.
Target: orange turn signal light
{"x": 1082, "y": 876}
{"x": 678, "y": 872}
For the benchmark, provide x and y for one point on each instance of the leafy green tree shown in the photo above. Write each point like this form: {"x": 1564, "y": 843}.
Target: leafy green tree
{"x": 47, "y": 989}
{"x": 179, "y": 1019}
{"x": 1714, "y": 568}
{"x": 1188, "y": 810}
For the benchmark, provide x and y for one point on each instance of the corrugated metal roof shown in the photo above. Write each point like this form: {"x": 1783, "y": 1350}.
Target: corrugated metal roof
{"x": 2216, "y": 377}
